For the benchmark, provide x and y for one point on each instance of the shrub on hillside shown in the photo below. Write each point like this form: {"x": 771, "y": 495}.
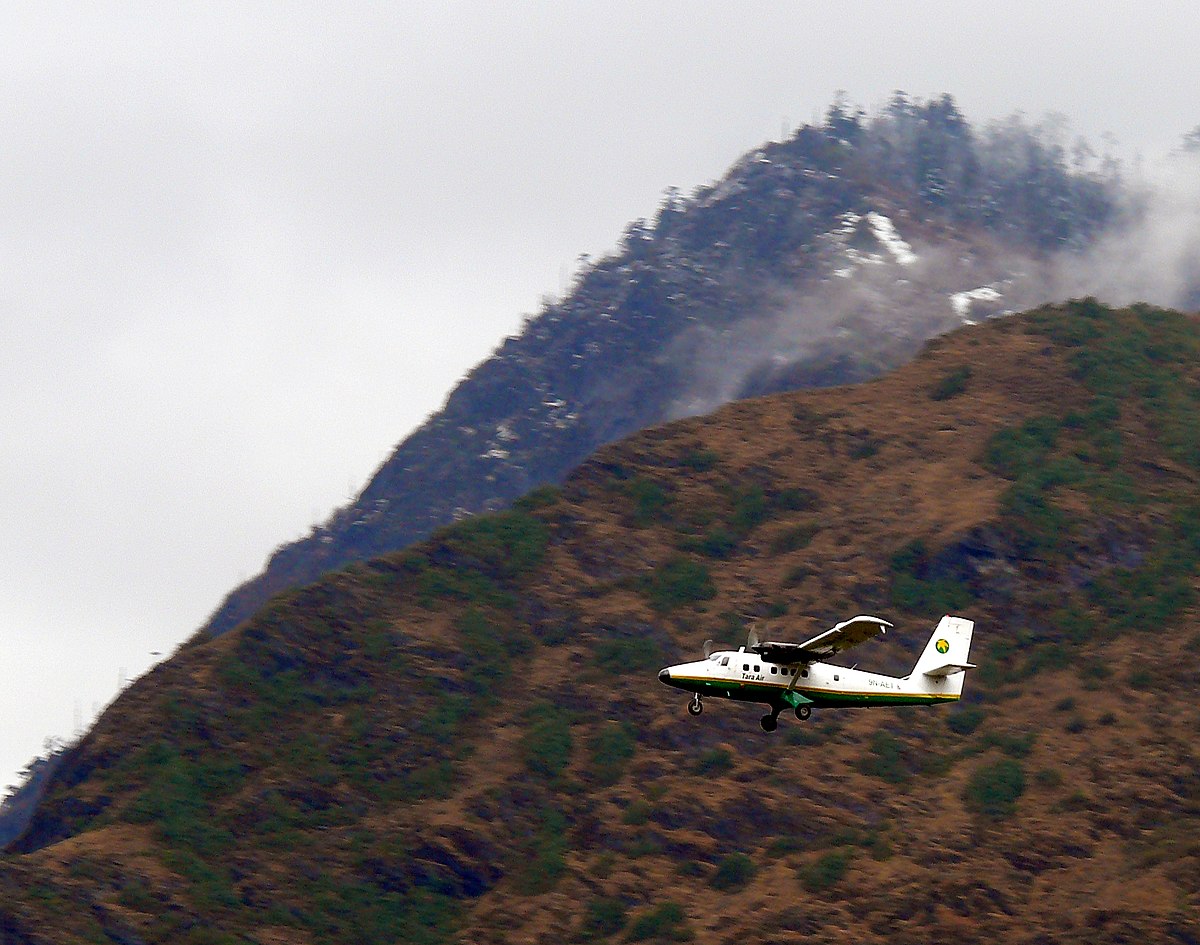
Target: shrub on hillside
{"x": 666, "y": 922}
{"x": 546, "y": 743}
{"x": 604, "y": 917}
{"x": 825, "y": 872}
{"x": 680, "y": 581}
{"x": 650, "y": 501}
{"x": 507, "y": 543}
{"x": 733, "y": 872}
{"x": 993, "y": 788}
{"x": 612, "y": 748}
{"x": 965, "y": 720}
{"x": 951, "y": 384}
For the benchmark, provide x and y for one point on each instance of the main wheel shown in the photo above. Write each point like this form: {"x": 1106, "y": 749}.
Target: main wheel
{"x": 769, "y": 723}
{"x": 803, "y": 712}
{"x": 695, "y": 707}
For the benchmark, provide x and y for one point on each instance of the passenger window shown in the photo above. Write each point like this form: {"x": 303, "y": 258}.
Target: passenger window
{"x": 745, "y": 667}
{"x": 804, "y": 673}
{"x": 756, "y": 669}
{"x": 836, "y": 677}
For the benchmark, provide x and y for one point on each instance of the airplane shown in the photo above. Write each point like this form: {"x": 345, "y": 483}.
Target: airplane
{"x": 789, "y": 675}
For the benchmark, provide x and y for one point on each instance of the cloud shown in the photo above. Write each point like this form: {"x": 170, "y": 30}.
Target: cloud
{"x": 1153, "y": 254}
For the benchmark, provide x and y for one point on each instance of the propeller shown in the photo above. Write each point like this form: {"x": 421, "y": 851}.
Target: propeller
{"x": 751, "y": 638}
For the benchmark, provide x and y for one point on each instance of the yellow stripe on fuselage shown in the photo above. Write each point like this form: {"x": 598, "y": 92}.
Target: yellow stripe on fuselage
{"x": 807, "y": 691}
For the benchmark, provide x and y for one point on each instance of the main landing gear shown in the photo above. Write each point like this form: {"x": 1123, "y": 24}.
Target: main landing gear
{"x": 695, "y": 707}
{"x": 770, "y": 721}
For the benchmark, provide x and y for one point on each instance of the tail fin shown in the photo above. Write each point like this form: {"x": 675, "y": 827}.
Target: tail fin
{"x": 947, "y": 650}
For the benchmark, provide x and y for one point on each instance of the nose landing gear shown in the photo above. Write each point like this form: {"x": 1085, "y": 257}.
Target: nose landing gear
{"x": 695, "y": 707}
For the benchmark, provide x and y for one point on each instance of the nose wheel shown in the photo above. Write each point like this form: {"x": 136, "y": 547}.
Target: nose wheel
{"x": 695, "y": 707}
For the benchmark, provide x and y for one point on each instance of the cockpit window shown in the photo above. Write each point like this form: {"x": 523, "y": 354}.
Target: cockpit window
{"x": 725, "y": 661}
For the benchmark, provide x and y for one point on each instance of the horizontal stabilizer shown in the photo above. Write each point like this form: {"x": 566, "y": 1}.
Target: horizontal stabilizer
{"x": 948, "y": 669}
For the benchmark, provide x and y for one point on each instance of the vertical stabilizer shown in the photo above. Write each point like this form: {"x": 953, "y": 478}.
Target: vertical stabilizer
{"x": 946, "y": 654}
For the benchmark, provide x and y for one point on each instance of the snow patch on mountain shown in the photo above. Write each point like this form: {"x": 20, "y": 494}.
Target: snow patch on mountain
{"x": 885, "y": 232}
{"x": 882, "y": 230}
{"x": 961, "y": 301}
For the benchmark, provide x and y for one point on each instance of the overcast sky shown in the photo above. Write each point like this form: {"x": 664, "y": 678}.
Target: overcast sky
{"x": 245, "y": 248}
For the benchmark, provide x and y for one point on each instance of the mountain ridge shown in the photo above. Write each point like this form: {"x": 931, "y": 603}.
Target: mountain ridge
{"x": 465, "y": 740}
{"x": 774, "y": 277}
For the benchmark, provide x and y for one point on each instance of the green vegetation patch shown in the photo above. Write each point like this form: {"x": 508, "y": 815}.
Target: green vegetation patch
{"x": 489, "y": 644}
{"x": 886, "y": 759}
{"x": 715, "y": 761}
{"x": 1148, "y": 596}
{"x": 951, "y": 384}
{"x": 546, "y": 743}
{"x": 794, "y": 538}
{"x": 603, "y": 917}
{"x": 506, "y": 544}
{"x": 628, "y": 655}
{"x": 699, "y": 460}
{"x": 667, "y": 922}
{"x": 542, "y": 497}
{"x": 543, "y": 862}
{"x": 1017, "y": 451}
{"x": 965, "y": 720}
{"x": 733, "y": 872}
{"x": 917, "y": 587}
{"x": 612, "y": 748}
{"x": 179, "y": 795}
{"x": 717, "y": 542}
{"x": 994, "y": 787}
{"x": 825, "y": 872}
{"x": 369, "y": 909}
{"x": 678, "y": 582}
{"x": 651, "y": 501}
{"x": 750, "y": 508}
{"x": 797, "y": 500}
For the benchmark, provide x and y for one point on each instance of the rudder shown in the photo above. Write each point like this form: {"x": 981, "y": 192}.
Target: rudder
{"x": 948, "y": 649}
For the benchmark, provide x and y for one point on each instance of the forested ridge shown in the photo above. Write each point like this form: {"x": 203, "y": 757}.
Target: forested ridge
{"x": 784, "y": 274}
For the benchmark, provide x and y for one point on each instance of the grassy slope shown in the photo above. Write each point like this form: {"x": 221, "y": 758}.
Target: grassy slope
{"x": 467, "y": 739}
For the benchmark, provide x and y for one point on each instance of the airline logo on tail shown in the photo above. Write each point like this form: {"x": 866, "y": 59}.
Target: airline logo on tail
{"x": 943, "y": 646}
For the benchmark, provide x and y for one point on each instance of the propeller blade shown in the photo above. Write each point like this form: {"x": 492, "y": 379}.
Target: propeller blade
{"x": 708, "y": 648}
{"x": 751, "y": 638}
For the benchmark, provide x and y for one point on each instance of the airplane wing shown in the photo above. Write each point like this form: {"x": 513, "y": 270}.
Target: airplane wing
{"x": 846, "y": 634}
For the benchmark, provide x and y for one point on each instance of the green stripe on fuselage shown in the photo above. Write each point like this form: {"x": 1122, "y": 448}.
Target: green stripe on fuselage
{"x": 769, "y": 694}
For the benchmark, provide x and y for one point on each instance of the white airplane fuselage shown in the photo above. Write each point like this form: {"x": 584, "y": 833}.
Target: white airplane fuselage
{"x": 743, "y": 675}
{"x": 787, "y": 675}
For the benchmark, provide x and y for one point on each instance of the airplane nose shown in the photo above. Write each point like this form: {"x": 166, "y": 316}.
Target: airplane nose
{"x": 665, "y": 676}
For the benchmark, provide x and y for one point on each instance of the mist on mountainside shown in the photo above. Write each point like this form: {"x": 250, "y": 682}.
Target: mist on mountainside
{"x": 891, "y": 284}
{"x": 1152, "y": 253}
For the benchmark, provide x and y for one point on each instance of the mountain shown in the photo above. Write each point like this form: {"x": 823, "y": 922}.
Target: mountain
{"x": 822, "y": 259}
{"x": 465, "y": 741}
